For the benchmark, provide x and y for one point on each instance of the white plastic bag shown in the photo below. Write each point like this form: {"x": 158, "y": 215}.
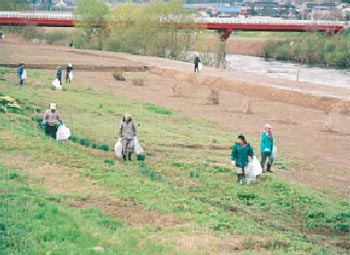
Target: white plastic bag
{"x": 137, "y": 147}
{"x": 274, "y": 151}
{"x": 70, "y": 76}
{"x": 56, "y": 84}
{"x": 256, "y": 167}
{"x": 63, "y": 133}
{"x": 24, "y": 75}
{"x": 252, "y": 170}
{"x": 200, "y": 66}
{"x": 118, "y": 149}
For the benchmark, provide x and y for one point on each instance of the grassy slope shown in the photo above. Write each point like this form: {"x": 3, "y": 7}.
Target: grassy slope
{"x": 190, "y": 185}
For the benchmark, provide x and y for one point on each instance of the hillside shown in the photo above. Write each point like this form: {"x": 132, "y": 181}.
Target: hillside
{"x": 77, "y": 198}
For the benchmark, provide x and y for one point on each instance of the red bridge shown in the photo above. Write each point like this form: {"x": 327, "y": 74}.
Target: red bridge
{"x": 224, "y": 25}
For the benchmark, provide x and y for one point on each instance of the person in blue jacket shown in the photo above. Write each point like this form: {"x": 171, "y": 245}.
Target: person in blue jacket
{"x": 241, "y": 151}
{"x": 59, "y": 74}
{"x": 266, "y": 148}
{"x": 20, "y": 73}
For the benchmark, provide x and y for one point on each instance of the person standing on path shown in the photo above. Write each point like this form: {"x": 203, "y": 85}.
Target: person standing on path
{"x": 20, "y": 72}
{"x": 241, "y": 151}
{"x": 266, "y": 147}
{"x": 51, "y": 120}
{"x": 127, "y": 133}
{"x": 69, "y": 69}
{"x": 59, "y": 75}
{"x": 196, "y": 63}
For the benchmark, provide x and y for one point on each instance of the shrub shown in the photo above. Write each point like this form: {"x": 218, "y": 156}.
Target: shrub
{"x": 57, "y": 38}
{"x": 138, "y": 82}
{"x": 214, "y": 97}
{"x": 94, "y": 146}
{"x": 118, "y": 76}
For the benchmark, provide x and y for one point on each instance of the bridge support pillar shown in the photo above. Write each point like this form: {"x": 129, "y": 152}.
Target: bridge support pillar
{"x": 221, "y": 54}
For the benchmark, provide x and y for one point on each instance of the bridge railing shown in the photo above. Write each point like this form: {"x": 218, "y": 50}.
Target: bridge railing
{"x": 271, "y": 21}
{"x": 237, "y": 20}
{"x": 27, "y": 15}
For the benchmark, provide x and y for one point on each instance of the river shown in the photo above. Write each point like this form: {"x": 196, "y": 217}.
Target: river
{"x": 325, "y": 76}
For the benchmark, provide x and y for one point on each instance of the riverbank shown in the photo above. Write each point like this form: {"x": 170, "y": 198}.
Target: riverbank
{"x": 247, "y": 102}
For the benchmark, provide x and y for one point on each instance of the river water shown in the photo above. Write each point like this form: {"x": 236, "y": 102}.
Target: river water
{"x": 276, "y": 69}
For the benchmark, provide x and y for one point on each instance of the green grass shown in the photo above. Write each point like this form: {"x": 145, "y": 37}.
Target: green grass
{"x": 268, "y": 35}
{"x": 190, "y": 184}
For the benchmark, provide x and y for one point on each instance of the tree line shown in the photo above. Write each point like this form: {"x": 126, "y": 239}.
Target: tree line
{"x": 315, "y": 48}
{"x": 146, "y": 29}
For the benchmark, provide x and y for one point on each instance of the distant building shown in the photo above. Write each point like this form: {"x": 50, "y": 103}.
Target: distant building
{"x": 228, "y": 11}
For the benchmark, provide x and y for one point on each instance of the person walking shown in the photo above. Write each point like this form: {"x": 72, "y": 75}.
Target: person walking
{"x": 196, "y": 63}
{"x": 69, "y": 72}
{"x": 59, "y": 74}
{"x": 20, "y": 72}
{"x": 127, "y": 133}
{"x": 50, "y": 121}
{"x": 266, "y": 147}
{"x": 241, "y": 151}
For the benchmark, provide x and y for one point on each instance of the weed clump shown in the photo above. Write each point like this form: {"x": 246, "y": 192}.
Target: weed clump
{"x": 118, "y": 76}
{"x": 138, "y": 82}
{"x": 73, "y": 138}
{"x": 148, "y": 172}
{"x": 8, "y": 103}
{"x": 85, "y": 142}
{"x": 214, "y": 97}
{"x": 157, "y": 109}
{"x": 109, "y": 162}
{"x": 103, "y": 147}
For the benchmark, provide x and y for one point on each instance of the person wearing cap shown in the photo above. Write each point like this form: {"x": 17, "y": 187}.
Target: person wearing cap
{"x": 50, "y": 121}
{"x": 241, "y": 151}
{"x": 69, "y": 69}
{"x": 266, "y": 148}
{"x": 59, "y": 74}
{"x": 127, "y": 133}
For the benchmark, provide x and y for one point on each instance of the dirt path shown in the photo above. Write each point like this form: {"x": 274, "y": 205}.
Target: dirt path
{"x": 307, "y": 128}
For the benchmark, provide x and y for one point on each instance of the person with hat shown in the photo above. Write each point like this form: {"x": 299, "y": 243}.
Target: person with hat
{"x": 59, "y": 74}
{"x": 50, "y": 121}
{"x": 266, "y": 147}
{"x": 241, "y": 151}
{"x": 127, "y": 133}
{"x": 69, "y": 70}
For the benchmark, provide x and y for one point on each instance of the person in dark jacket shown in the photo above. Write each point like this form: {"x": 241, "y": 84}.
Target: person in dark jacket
{"x": 127, "y": 133}
{"x": 241, "y": 151}
{"x": 59, "y": 74}
{"x": 69, "y": 69}
{"x": 196, "y": 63}
{"x": 266, "y": 148}
{"x": 20, "y": 74}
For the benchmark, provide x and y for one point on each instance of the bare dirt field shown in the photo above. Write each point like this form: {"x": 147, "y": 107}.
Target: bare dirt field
{"x": 310, "y": 122}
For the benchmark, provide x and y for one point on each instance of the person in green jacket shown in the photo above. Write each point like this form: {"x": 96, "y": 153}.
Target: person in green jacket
{"x": 241, "y": 151}
{"x": 266, "y": 148}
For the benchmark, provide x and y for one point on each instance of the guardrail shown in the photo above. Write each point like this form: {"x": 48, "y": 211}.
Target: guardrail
{"x": 270, "y": 21}
{"x": 53, "y": 16}
{"x": 249, "y": 20}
